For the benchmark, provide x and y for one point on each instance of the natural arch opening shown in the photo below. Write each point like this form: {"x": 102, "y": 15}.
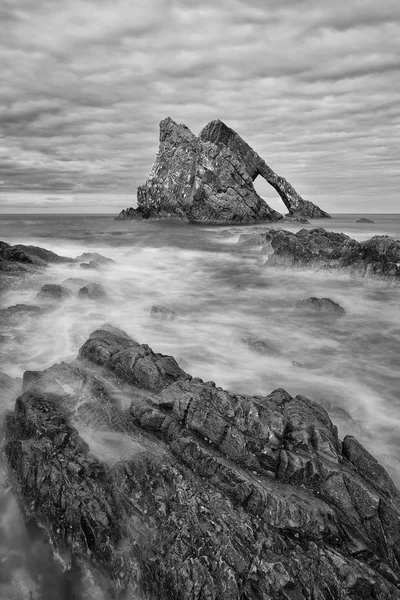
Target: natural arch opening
{"x": 269, "y": 194}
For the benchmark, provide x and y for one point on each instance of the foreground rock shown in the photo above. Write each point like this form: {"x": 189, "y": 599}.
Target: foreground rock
{"x": 378, "y": 257}
{"x": 325, "y": 305}
{"x": 201, "y": 493}
{"x": 209, "y": 179}
{"x": 17, "y": 262}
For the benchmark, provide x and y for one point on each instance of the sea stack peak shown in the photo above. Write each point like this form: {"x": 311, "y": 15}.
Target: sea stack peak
{"x": 209, "y": 179}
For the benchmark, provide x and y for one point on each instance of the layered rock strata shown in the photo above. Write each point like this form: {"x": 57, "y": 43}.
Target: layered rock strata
{"x": 208, "y": 494}
{"x": 209, "y": 179}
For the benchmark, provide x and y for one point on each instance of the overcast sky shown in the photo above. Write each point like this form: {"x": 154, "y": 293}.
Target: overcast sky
{"x": 313, "y": 86}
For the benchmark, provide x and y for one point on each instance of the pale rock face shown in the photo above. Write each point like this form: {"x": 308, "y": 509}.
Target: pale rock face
{"x": 209, "y": 179}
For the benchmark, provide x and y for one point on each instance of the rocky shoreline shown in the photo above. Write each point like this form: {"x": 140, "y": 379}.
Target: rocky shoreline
{"x": 224, "y": 495}
{"x": 203, "y": 493}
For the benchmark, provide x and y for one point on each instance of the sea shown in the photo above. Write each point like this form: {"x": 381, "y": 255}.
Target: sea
{"x": 222, "y": 293}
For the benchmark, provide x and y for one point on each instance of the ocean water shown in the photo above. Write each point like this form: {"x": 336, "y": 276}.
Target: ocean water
{"x": 222, "y": 293}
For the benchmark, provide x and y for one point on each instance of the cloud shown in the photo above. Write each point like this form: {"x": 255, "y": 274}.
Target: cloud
{"x": 312, "y": 86}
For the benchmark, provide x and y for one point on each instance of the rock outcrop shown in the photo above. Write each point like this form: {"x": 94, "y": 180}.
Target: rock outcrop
{"x": 19, "y": 261}
{"x": 202, "y": 493}
{"x": 376, "y": 258}
{"x": 209, "y": 179}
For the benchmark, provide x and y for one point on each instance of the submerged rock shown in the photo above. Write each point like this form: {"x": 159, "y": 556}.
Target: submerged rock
{"x": 93, "y": 291}
{"x": 260, "y": 346}
{"x": 53, "y": 293}
{"x": 320, "y": 305}
{"x": 364, "y": 220}
{"x": 209, "y": 494}
{"x": 163, "y": 313}
{"x": 209, "y": 179}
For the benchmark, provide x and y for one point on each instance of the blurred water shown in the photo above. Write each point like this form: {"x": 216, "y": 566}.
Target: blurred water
{"x": 222, "y": 294}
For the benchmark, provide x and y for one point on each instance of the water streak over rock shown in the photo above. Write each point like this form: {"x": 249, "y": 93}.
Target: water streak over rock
{"x": 221, "y": 496}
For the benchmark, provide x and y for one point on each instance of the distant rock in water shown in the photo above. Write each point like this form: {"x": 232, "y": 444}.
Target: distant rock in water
{"x": 129, "y": 213}
{"x": 209, "y": 179}
{"x": 194, "y": 491}
{"x": 93, "y": 260}
{"x": 321, "y": 305}
{"x": 363, "y": 220}
{"x": 260, "y": 346}
{"x": 162, "y": 313}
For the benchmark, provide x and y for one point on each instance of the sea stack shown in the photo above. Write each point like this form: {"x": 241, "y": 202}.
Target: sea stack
{"x": 209, "y": 179}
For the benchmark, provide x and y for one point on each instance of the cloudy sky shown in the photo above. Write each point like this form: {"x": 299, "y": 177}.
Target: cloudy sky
{"x": 312, "y": 85}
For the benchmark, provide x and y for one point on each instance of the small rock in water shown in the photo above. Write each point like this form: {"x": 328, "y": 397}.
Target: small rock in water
{"x": 260, "y": 346}
{"x": 363, "y": 220}
{"x": 95, "y": 257}
{"x": 53, "y": 292}
{"x": 94, "y": 291}
{"x": 321, "y": 305}
{"x": 163, "y": 313}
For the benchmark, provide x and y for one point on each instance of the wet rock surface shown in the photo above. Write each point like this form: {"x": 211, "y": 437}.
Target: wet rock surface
{"x": 377, "y": 258}
{"x": 19, "y": 261}
{"x": 324, "y": 305}
{"x": 209, "y": 179}
{"x": 52, "y": 292}
{"x": 93, "y": 291}
{"x": 220, "y": 495}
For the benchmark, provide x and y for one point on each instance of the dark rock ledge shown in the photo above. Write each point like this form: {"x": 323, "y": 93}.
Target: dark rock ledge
{"x": 209, "y": 179}
{"x": 220, "y": 495}
{"x": 377, "y": 258}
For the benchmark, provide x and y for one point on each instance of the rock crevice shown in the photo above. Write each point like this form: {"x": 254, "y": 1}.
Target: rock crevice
{"x": 218, "y": 495}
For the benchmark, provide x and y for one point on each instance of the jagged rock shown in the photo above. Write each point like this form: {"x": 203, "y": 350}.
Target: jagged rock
{"x": 320, "y": 305}
{"x": 93, "y": 291}
{"x": 218, "y": 133}
{"x": 220, "y": 495}
{"x": 163, "y": 313}
{"x": 364, "y": 220}
{"x": 53, "y": 293}
{"x": 260, "y": 346}
{"x": 209, "y": 179}
{"x": 378, "y": 257}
